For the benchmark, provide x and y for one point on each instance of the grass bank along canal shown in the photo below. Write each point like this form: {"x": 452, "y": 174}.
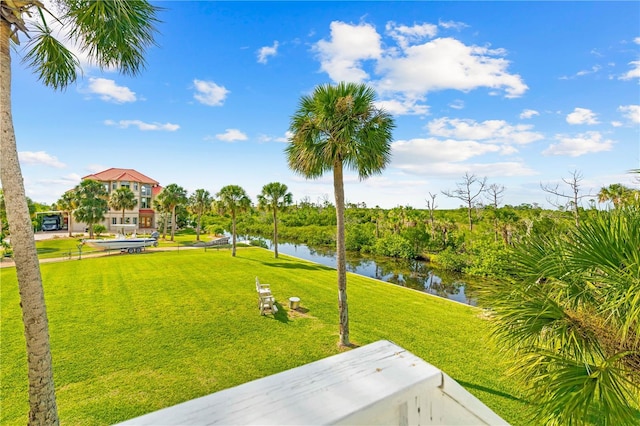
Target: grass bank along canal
{"x": 415, "y": 274}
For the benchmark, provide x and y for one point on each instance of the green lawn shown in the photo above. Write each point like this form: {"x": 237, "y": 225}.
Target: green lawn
{"x": 131, "y": 334}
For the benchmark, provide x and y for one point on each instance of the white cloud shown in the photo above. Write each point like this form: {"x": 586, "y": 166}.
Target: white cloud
{"x": 582, "y": 116}
{"x": 404, "y": 35}
{"x": 631, "y": 112}
{"x": 209, "y": 93}
{"x": 266, "y": 51}
{"x": 581, "y": 144}
{"x": 416, "y": 153}
{"x": 283, "y": 139}
{"x": 529, "y": 113}
{"x": 636, "y": 40}
{"x": 141, "y": 125}
{"x": 457, "y": 104}
{"x": 403, "y": 106}
{"x": 452, "y": 25}
{"x": 446, "y": 63}
{"x": 433, "y": 157}
{"x": 40, "y": 158}
{"x": 616, "y": 124}
{"x": 490, "y": 130}
{"x": 231, "y": 135}
{"x": 634, "y": 72}
{"x": 109, "y": 91}
{"x": 341, "y": 56}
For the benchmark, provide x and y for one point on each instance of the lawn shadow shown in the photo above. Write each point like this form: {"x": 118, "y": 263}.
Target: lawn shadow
{"x": 47, "y": 250}
{"x": 491, "y": 391}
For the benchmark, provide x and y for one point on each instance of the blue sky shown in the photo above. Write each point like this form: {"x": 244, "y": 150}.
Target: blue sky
{"x": 522, "y": 93}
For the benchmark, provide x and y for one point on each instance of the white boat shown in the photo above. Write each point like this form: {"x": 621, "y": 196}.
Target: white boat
{"x": 131, "y": 244}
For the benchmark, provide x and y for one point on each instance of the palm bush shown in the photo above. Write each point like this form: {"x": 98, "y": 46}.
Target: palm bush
{"x": 569, "y": 320}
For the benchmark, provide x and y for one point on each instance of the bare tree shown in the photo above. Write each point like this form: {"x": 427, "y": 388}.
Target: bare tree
{"x": 468, "y": 190}
{"x": 494, "y": 194}
{"x": 572, "y": 199}
{"x": 431, "y": 205}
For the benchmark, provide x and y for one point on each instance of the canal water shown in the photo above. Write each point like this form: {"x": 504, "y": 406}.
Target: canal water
{"x": 415, "y": 274}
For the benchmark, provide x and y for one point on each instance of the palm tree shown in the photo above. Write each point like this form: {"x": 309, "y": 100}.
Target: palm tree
{"x": 173, "y": 196}
{"x": 232, "y": 199}
{"x": 338, "y": 126}
{"x": 114, "y": 34}
{"x": 68, "y": 203}
{"x": 199, "y": 204}
{"x": 160, "y": 206}
{"x": 616, "y": 193}
{"x": 569, "y": 321}
{"x": 275, "y": 197}
{"x": 123, "y": 199}
{"x": 92, "y": 203}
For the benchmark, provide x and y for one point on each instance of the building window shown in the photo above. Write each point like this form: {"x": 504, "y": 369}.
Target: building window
{"x": 135, "y": 220}
{"x": 135, "y": 186}
{"x": 145, "y": 203}
{"x": 124, "y": 184}
{"x": 114, "y": 221}
{"x": 114, "y": 185}
{"x": 145, "y": 190}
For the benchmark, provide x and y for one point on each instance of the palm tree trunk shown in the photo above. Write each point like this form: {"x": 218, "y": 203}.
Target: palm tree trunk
{"x": 42, "y": 399}
{"x": 198, "y": 227}
{"x": 70, "y": 223}
{"x": 233, "y": 233}
{"x": 173, "y": 222}
{"x": 275, "y": 231}
{"x": 338, "y": 187}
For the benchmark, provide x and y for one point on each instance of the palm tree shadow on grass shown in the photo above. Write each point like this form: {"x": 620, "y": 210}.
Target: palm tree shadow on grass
{"x": 490, "y": 390}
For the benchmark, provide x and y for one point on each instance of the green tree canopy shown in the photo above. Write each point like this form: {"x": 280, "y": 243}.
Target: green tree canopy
{"x": 92, "y": 203}
{"x": 172, "y": 196}
{"x": 199, "y": 204}
{"x": 123, "y": 199}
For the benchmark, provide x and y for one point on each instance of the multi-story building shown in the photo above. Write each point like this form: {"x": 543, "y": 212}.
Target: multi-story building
{"x": 145, "y": 190}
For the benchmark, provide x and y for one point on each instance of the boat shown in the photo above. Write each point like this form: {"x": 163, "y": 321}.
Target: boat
{"x": 130, "y": 244}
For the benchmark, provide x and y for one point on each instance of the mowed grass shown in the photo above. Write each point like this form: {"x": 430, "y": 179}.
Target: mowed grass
{"x": 131, "y": 334}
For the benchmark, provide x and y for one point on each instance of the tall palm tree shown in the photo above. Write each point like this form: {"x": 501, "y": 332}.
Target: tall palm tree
{"x": 232, "y": 199}
{"x": 275, "y": 197}
{"x": 92, "y": 203}
{"x": 68, "y": 203}
{"x": 339, "y": 126}
{"x": 123, "y": 199}
{"x": 160, "y": 205}
{"x": 114, "y": 34}
{"x": 199, "y": 204}
{"x": 173, "y": 195}
{"x": 570, "y": 320}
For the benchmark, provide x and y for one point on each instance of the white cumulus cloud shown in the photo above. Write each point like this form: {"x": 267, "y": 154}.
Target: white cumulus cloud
{"x": 447, "y": 63}
{"x": 634, "y": 72}
{"x": 231, "y": 135}
{"x": 341, "y": 56}
{"x": 209, "y": 93}
{"x": 498, "y": 131}
{"x": 266, "y": 51}
{"x": 582, "y": 116}
{"x": 529, "y": 113}
{"x": 109, "y": 91}
{"x": 578, "y": 145}
{"x": 40, "y": 158}
{"x": 631, "y": 112}
{"x": 141, "y": 125}
{"x": 405, "y": 35}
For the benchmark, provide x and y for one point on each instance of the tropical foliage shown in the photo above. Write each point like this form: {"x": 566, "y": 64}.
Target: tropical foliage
{"x": 275, "y": 197}
{"x": 92, "y": 202}
{"x": 339, "y": 126}
{"x": 172, "y": 196}
{"x": 569, "y": 320}
{"x": 232, "y": 199}
{"x": 199, "y": 203}
{"x": 123, "y": 199}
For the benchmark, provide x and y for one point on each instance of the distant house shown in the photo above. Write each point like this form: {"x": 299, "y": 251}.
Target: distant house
{"x": 145, "y": 189}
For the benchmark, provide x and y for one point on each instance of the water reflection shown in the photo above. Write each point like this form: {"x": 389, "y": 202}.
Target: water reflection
{"x": 415, "y": 274}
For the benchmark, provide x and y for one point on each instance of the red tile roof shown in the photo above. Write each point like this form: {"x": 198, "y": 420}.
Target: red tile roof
{"x": 114, "y": 174}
